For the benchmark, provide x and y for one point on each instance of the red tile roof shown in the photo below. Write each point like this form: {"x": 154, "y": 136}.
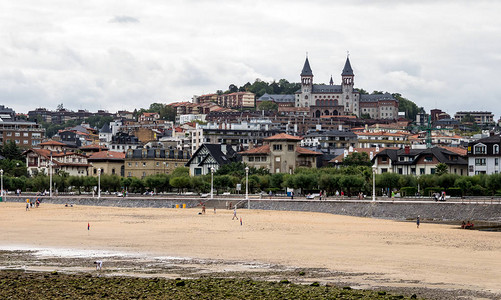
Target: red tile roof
{"x": 257, "y": 150}
{"x": 304, "y": 151}
{"x": 283, "y": 136}
{"x": 52, "y": 143}
{"x": 457, "y": 150}
{"x": 107, "y": 155}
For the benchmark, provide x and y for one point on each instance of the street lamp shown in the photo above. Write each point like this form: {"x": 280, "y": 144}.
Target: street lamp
{"x": 247, "y": 186}
{"x": 50, "y": 177}
{"x": 1, "y": 188}
{"x": 212, "y": 182}
{"x": 98, "y": 183}
{"x": 374, "y": 169}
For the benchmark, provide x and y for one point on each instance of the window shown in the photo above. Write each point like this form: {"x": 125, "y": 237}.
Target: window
{"x": 496, "y": 149}
{"x": 421, "y": 171}
{"x": 18, "y": 134}
{"x": 496, "y": 161}
{"x": 384, "y": 170}
{"x": 479, "y": 161}
{"x": 130, "y": 164}
{"x": 277, "y": 159}
{"x": 277, "y": 147}
{"x": 25, "y": 134}
{"x": 428, "y": 158}
{"x": 144, "y": 164}
{"x": 251, "y": 158}
{"x": 432, "y": 170}
{"x": 25, "y": 142}
{"x": 290, "y": 147}
{"x": 479, "y": 149}
{"x": 158, "y": 164}
{"x": 9, "y": 133}
{"x": 384, "y": 159}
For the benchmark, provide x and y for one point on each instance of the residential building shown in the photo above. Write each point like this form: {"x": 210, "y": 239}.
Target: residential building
{"x": 371, "y": 153}
{"x": 480, "y": 117}
{"x": 105, "y": 134}
{"x": 38, "y": 160}
{"x": 279, "y": 99}
{"x": 24, "y": 134}
{"x": 281, "y": 153}
{"x": 382, "y": 139}
{"x": 148, "y": 117}
{"x": 123, "y": 141}
{"x": 237, "y": 100}
{"x": 330, "y": 139}
{"x": 211, "y": 156}
{"x": 407, "y": 161}
{"x": 144, "y": 162}
{"x": 109, "y": 162}
{"x": 484, "y": 156}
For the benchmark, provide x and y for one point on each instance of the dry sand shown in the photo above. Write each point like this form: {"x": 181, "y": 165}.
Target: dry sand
{"x": 390, "y": 253}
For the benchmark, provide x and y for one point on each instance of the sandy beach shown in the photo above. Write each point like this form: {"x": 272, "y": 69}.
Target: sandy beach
{"x": 381, "y": 252}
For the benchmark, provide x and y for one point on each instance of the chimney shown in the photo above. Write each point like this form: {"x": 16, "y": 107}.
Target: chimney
{"x": 407, "y": 149}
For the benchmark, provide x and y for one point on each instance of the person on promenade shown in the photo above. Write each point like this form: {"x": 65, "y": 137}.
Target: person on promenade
{"x": 342, "y": 194}
{"x": 417, "y": 221}
{"x": 337, "y": 194}
{"x": 320, "y": 195}
{"x": 292, "y": 195}
{"x": 234, "y": 214}
{"x": 270, "y": 193}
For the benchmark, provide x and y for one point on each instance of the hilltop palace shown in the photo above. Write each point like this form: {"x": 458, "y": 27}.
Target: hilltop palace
{"x": 332, "y": 100}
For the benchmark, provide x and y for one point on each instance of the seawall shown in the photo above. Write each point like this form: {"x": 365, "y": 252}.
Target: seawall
{"x": 399, "y": 210}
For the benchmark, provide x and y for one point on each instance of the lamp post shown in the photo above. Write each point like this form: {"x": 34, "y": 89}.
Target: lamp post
{"x": 1, "y": 179}
{"x": 98, "y": 183}
{"x": 50, "y": 177}
{"x": 212, "y": 182}
{"x": 247, "y": 186}
{"x": 374, "y": 169}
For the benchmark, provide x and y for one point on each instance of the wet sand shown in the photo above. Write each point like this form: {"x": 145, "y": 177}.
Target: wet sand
{"x": 381, "y": 252}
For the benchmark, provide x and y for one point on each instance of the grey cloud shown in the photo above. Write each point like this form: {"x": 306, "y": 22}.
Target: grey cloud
{"x": 124, "y": 19}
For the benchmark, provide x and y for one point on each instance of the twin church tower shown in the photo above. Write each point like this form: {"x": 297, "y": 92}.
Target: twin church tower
{"x": 331, "y": 100}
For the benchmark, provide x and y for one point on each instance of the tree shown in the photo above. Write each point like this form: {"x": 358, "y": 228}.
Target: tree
{"x": 404, "y": 105}
{"x": 232, "y": 88}
{"x": 357, "y": 159}
{"x": 441, "y": 169}
{"x": 268, "y": 106}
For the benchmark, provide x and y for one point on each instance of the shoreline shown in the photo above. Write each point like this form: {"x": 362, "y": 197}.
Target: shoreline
{"x": 363, "y": 252}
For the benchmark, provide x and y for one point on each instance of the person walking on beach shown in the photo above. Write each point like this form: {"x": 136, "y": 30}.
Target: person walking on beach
{"x": 234, "y": 214}
{"x": 417, "y": 222}
{"x": 203, "y": 209}
{"x": 99, "y": 265}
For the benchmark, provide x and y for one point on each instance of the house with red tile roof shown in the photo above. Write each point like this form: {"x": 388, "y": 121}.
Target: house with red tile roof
{"x": 110, "y": 162}
{"x": 53, "y": 157}
{"x": 281, "y": 153}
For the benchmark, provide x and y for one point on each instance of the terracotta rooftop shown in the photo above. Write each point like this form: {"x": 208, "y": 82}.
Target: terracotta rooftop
{"x": 283, "y": 136}
{"x": 457, "y": 150}
{"x": 52, "y": 143}
{"x": 257, "y": 150}
{"x": 305, "y": 151}
{"x": 108, "y": 155}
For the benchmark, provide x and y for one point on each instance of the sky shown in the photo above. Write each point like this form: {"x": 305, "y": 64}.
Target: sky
{"x": 121, "y": 55}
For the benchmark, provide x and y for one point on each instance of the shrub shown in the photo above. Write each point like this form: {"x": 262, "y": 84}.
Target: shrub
{"x": 408, "y": 191}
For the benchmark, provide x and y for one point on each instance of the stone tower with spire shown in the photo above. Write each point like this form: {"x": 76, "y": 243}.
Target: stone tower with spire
{"x": 303, "y": 99}
{"x": 350, "y": 99}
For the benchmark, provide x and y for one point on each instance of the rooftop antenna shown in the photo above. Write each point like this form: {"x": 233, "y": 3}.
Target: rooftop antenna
{"x": 347, "y": 53}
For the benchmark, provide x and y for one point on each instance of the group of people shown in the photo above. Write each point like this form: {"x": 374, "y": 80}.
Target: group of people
{"x": 30, "y": 204}
{"x": 439, "y": 196}
{"x": 468, "y": 225}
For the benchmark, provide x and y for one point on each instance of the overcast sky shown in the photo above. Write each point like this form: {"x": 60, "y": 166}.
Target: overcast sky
{"x": 121, "y": 55}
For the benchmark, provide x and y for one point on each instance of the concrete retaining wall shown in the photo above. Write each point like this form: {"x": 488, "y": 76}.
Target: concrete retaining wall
{"x": 438, "y": 211}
